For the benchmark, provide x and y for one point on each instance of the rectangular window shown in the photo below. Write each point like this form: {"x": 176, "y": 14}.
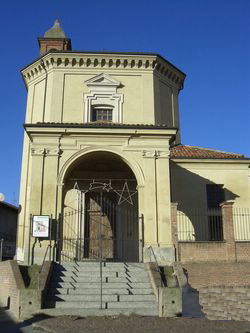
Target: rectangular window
{"x": 215, "y": 196}
{"x": 99, "y": 114}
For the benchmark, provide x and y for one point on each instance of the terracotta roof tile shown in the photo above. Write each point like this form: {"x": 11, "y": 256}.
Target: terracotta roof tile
{"x": 183, "y": 151}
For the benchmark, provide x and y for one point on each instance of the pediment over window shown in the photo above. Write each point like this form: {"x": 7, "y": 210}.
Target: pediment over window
{"x": 103, "y": 96}
{"x": 103, "y": 80}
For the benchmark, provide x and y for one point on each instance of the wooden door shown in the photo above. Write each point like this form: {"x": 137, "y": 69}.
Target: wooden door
{"x": 100, "y": 225}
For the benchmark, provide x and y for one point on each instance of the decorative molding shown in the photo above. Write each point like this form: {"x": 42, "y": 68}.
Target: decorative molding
{"x": 127, "y": 158}
{"x": 105, "y": 61}
{"x": 46, "y": 151}
{"x": 53, "y": 151}
{"x": 38, "y": 151}
{"x": 164, "y": 154}
{"x": 111, "y": 99}
{"x": 103, "y": 80}
{"x": 155, "y": 154}
{"x": 103, "y": 92}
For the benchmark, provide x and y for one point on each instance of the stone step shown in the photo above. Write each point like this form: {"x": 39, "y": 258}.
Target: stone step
{"x": 81, "y": 279}
{"x": 104, "y": 273}
{"x": 105, "y": 305}
{"x": 126, "y": 289}
{"x": 87, "y": 285}
{"x": 97, "y": 264}
{"x": 98, "y": 312}
{"x": 96, "y": 291}
{"x": 134, "y": 305}
{"x": 105, "y": 298}
{"x": 75, "y": 305}
{"x": 96, "y": 270}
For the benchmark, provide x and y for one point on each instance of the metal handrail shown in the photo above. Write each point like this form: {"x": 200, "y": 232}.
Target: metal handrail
{"x": 49, "y": 246}
{"x": 157, "y": 265}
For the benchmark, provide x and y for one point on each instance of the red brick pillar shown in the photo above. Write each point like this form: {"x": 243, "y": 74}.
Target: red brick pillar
{"x": 174, "y": 228}
{"x": 228, "y": 229}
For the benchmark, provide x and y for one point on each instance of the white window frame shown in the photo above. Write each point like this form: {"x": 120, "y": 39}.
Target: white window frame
{"x": 103, "y": 92}
{"x": 102, "y": 107}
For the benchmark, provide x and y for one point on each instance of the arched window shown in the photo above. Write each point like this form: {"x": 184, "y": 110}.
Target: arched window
{"x": 102, "y": 113}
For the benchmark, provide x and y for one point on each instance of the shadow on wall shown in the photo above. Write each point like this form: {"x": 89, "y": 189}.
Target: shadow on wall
{"x": 189, "y": 190}
{"x": 190, "y": 301}
{"x": 9, "y": 324}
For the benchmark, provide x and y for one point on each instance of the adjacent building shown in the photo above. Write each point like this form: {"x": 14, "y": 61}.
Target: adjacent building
{"x": 8, "y": 227}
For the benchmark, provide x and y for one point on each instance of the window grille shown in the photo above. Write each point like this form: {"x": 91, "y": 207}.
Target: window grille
{"x": 102, "y": 114}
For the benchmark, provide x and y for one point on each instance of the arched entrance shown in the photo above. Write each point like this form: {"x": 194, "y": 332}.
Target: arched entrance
{"x": 100, "y": 210}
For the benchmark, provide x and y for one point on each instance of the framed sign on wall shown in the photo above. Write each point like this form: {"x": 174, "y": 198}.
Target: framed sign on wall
{"x": 40, "y": 226}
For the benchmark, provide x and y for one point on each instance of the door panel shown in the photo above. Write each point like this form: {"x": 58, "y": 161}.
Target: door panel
{"x": 100, "y": 225}
{"x": 72, "y": 222}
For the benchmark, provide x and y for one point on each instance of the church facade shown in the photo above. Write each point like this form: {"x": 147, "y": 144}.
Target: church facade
{"x": 102, "y": 159}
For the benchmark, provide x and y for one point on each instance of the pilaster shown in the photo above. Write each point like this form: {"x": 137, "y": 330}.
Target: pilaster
{"x": 49, "y": 195}
{"x": 163, "y": 198}
{"x": 151, "y": 232}
{"x": 228, "y": 228}
{"x": 37, "y": 172}
{"x": 158, "y": 234}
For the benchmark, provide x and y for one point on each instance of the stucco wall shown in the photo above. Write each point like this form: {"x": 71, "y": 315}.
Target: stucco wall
{"x": 65, "y": 97}
{"x": 57, "y": 94}
{"x": 189, "y": 180}
{"x": 47, "y": 165}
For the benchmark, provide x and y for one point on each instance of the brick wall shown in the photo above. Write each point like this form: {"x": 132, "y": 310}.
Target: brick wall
{"x": 213, "y": 251}
{"x": 214, "y": 274}
{"x": 206, "y": 251}
{"x": 225, "y": 303}
{"x": 242, "y": 251}
{"x": 224, "y": 288}
{"x": 203, "y": 251}
{"x": 10, "y": 284}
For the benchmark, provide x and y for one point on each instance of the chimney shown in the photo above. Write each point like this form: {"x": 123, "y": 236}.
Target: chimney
{"x": 54, "y": 39}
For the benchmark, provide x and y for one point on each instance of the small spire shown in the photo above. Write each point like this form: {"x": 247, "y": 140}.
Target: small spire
{"x": 55, "y": 32}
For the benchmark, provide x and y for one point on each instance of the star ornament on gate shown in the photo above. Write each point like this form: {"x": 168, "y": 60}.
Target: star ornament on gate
{"x": 126, "y": 195}
{"x": 97, "y": 185}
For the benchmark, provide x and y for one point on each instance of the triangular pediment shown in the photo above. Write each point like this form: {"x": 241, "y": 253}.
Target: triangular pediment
{"x": 102, "y": 80}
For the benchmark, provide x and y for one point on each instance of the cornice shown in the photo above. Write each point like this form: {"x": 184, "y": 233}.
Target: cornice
{"x": 212, "y": 160}
{"x": 115, "y": 62}
{"x": 33, "y": 129}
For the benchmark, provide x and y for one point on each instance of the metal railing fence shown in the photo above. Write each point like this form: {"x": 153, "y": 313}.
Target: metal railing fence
{"x": 199, "y": 224}
{"x": 241, "y": 218}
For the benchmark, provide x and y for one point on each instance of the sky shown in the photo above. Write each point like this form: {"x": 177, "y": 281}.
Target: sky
{"x": 207, "y": 40}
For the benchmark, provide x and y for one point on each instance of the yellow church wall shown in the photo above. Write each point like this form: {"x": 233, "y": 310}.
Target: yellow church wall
{"x": 56, "y": 93}
{"x": 188, "y": 187}
{"x": 49, "y": 164}
{"x": 189, "y": 181}
{"x": 35, "y": 106}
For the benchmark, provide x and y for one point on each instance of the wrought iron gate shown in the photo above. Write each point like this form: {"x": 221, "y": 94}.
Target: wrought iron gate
{"x": 101, "y": 222}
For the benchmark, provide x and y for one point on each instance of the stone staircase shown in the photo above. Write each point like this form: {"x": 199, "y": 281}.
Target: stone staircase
{"x": 76, "y": 289}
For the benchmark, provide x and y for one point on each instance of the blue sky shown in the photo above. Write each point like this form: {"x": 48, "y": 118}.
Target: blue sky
{"x": 208, "y": 40}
